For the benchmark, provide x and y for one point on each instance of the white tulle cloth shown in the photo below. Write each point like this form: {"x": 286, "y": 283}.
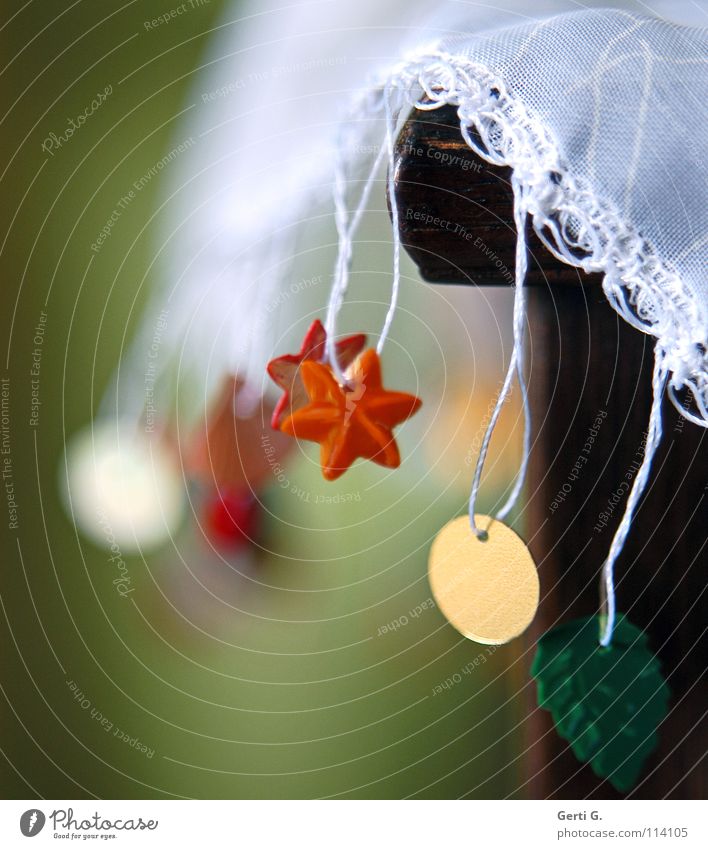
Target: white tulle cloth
{"x": 601, "y": 114}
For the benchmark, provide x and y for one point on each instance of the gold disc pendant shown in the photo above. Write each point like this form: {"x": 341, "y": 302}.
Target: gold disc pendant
{"x": 487, "y": 589}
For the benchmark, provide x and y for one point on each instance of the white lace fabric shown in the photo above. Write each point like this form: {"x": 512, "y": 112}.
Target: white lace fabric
{"x": 601, "y": 116}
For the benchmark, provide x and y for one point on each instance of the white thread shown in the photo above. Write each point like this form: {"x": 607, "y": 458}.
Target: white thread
{"x": 391, "y": 124}
{"x": 339, "y": 286}
{"x": 653, "y": 439}
{"x": 516, "y": 364}
{"x": 519, "y": 331}
{"x": 346, "y": 230}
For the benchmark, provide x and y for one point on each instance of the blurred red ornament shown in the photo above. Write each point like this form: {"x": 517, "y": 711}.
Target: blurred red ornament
{"x": 235, "y": 448}
{"x": 231, "y": 518}
{"x": 285, "y": 370}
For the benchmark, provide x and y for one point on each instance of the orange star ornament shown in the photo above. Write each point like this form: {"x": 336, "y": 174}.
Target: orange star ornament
{"x": 352, "y": 421}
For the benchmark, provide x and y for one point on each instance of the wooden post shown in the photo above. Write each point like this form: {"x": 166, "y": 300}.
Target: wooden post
{"x": 590, "y": 385}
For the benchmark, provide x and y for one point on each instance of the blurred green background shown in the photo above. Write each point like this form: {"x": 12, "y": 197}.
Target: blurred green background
{"x": 217, "y": 682}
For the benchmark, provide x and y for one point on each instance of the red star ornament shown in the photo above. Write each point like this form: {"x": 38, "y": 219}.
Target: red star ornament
{"x": 285, "y": 370}
{"x": 350, "y": 422}
{"x": 230, "y": 451}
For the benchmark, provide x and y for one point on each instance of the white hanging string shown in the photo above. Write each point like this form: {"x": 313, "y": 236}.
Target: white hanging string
{"x": 519, "y": 333}
{"x": 391, "y": 125}
{"x": 346, "y": 228}
{"x": 516, "y": 365}
{"x": 654, "y": 433}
